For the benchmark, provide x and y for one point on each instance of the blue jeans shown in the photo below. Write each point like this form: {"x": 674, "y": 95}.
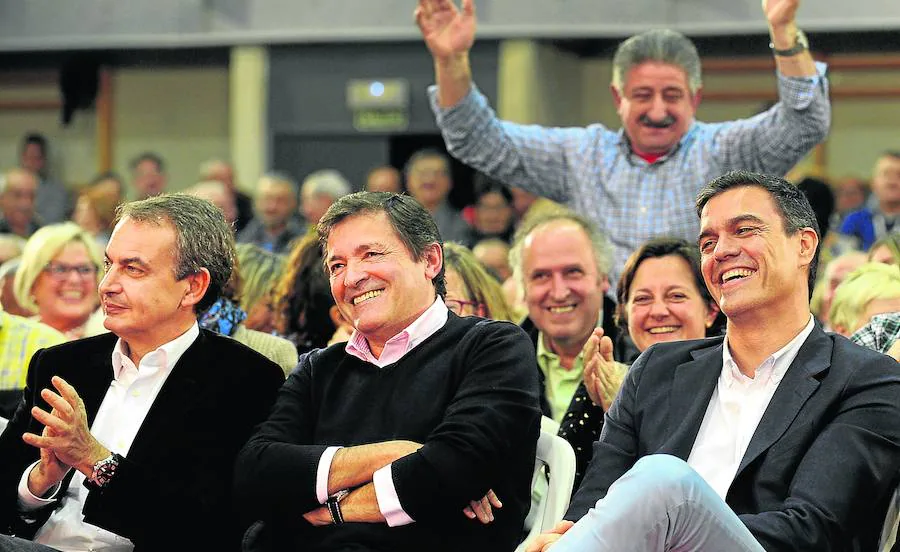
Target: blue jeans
{"x": 660, "y": 504}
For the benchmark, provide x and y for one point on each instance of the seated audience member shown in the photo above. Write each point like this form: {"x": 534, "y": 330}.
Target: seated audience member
{"x": 52, "y": 202}
{"x": 219, "y": 195}
{"x": 882, "y": 334}
{"x": 471, "y": 290}
{"x": 886, "y": 250}
{"x": 95, "y": 211}
{"x": 319, "y": 190}
{"x": 58, "y": 277}
{"x": 880, "y": 217}
{"x": 8, "y": 299}
{"x": 850, "y": 195}
{"x": 493, "y": 254}
{"x": 275, "y": 225}
{"x": 384, "y": 179}
{"x": 20, "y": 338}
{"x": 873, "y": 288}
{"x": 562, "y": 262}
{"x": 17, "y": 191}
{"x": 260, "y": 271}
{"x": 304, "y": 309}
{"x": 380, "y": 443}
{"x": 429, "y": 181}
{"x": 217, "y": 169}
{"x": 821, "y": 198}
{"x": 778, "y": 436}
{"x": 835, "y": 272}
{"x": 226, "y": 317}
{"x": 105, "y": 451}
{"x": 148, "y": 175}
{"x": 111, "y": 184}
{"x": 661, "y": 297}
{"x": 493, "y": 212}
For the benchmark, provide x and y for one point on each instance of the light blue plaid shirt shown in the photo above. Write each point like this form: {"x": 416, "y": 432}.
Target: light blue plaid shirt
{"x": 592, "y": 170}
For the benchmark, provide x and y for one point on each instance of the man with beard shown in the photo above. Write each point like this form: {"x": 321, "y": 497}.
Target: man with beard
{"x": 638, "y": 182}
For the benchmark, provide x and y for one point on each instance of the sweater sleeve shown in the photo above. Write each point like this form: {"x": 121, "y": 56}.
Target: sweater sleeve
{"x": 493, "y": 419}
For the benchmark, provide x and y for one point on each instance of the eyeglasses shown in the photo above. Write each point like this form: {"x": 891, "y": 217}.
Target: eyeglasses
{"x": 60, "y": 271}
{"x": 457, "y": 305}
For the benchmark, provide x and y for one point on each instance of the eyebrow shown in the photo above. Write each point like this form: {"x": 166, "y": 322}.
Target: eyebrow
{"x": 362, "y": 248}
{"x": 732, "y": 222}
{"x": 129, "y": 260}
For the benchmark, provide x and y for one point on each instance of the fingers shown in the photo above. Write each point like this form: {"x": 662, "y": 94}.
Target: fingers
{"x": 468, "y": 8}
{"x": 494, "y": 499}
{"x": 563, "y": 526}
{"x": 606, "y": 348}
{"x": 542, "y": 542}
{"x": 49, "y": 420}
{"x": 482, "y": 509}
{"x": 60, "y": 405}
{"x": 67, "y": 391}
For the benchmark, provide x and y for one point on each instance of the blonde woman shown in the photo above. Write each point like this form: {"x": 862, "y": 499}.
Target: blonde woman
{"x": 873, "y": 288}
{"x": 60, "y": 269}
{"x": 471, "y": 290}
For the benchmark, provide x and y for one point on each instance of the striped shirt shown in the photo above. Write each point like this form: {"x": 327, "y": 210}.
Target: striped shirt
{"x": 20, "y": 338}
{"x": 593, "y": 171}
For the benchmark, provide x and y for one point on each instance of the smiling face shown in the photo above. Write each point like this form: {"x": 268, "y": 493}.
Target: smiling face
{"x": 748, "y": 261}
{"x": 656, "y": 106}
{"x": 377, "y": 284}
{"x": 458, "y": 298}
{"x": 664, "y": 303}
{"x": 563, "y": 288}
{"x": 66, "y": 292}
{"x": 428, "y": 181}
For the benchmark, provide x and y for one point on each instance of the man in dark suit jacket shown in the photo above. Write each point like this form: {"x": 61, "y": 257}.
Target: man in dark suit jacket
{"x": 128, "y": 439}
{"x": 779, "y": 437}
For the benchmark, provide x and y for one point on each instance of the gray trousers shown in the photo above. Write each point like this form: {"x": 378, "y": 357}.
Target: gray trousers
{"x": 660, "y": 504}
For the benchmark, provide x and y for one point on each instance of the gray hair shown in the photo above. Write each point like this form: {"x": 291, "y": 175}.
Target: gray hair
{"x": 424, "y": 153}
{"x": 327, "y": 182}
{"x": 284, "y": 179}
{"x": 661, "y": 45}
{"x": 202, "y": 237}
{"x": 412, "y": 222}
{"x": 600, "y": 246}
{"x": 792, "y": 204}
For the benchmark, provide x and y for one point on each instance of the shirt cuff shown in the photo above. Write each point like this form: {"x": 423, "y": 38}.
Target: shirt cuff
{"x": 322, "y": 473}
{"x": 388, "y": 501}
{"x": 462, "y": 112}
{"x": 799, "y": 92}
{"x": 27, "y": 500}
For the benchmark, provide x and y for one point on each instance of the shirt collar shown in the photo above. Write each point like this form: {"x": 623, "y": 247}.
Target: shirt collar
{"x": 775, "y": 366}
{"x": 421, "y": 328}
{"x": 166, "y": 355}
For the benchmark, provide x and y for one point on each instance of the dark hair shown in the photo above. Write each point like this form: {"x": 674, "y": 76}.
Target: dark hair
{"x": 424, "y": 153}
{"x": 792, "y": 204}
{"x": 107, "y": 175}
{"x": 37, "y": 139}
{"x": 891, "y": 153}
{"x": 821, "y": 199}
{"x": 148, "y": 156}
{"x": 484, "y": 184}
{"x": 202, "y": 237}
{"x": 413, "y": 224}
{"x": 653, "y": 249}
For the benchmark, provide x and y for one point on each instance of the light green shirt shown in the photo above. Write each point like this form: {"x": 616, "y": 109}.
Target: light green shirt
{"x": 559, "y": 384}
{"x": 20, "y": 338}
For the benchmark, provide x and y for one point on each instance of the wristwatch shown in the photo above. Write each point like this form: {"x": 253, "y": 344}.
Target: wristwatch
{"x": 334, "y": 508}
{"x": 104, "y": 470}
{"x": 801, "y": 44}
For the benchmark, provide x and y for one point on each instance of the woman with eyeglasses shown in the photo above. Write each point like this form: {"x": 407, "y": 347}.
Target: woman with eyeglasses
{"x": 58, "y": 277}
{"x": 471, "y": 290}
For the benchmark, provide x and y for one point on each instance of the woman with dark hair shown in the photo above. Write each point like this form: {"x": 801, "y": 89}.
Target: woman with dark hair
{"x": 661, "y": 297}
{"x": 492, "y": 215}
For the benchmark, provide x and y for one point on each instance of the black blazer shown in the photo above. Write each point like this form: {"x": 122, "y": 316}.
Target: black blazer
{"x": 822, "y": 464}
{"x": 173, "y": 492}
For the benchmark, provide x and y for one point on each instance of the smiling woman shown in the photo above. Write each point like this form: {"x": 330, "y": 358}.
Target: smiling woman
{"x": 58, "y": 277}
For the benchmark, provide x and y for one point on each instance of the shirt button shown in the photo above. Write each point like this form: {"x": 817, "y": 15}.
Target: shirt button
{"x": 135, "y": 393}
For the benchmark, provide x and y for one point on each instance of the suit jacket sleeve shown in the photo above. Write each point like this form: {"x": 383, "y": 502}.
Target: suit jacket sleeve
{"x": 856, "y": 455}
{"x": 617, "y": 449}
{"x": 492, "y": 418}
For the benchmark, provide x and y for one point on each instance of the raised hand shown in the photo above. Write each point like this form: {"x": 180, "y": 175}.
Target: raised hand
{"x": 544, "y": 541}
{"x": 602, "y": 376}
{"x": 66, "y": 434}
{"x": 780, "y": 13}
{"x": 447, "y": 30}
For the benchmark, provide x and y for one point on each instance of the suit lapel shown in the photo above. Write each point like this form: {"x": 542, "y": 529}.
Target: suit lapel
{"x": 799, "y": 383}
{"x": 91, "y": 375}
{"x": 692, "y": 388}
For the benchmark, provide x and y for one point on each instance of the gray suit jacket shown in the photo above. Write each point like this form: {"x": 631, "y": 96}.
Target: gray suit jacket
{"x": 821, "y": 465}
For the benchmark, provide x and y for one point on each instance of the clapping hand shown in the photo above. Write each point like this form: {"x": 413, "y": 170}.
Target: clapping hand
{"x": 602, "y": 376}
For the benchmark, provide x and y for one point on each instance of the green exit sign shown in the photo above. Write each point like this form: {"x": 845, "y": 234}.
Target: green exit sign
{"x": 380, "y": 120}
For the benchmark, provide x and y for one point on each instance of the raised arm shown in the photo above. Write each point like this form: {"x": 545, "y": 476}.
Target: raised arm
{"x": 449, "y": 34}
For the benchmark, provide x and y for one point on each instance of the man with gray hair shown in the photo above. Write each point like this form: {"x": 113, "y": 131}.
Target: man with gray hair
{"x": 319, "y": 190}
{"x": 18, "y": 190}
{"x": 275, "y": 225}
{"x": 638, "y": 182}
{"x": 119, "y": 435}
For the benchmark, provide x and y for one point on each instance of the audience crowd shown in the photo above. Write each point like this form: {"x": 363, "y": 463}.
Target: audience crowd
{"x": 698, "y": 329}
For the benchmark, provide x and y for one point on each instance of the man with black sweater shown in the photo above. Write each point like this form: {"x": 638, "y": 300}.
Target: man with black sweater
{"x": 382, "y": 443}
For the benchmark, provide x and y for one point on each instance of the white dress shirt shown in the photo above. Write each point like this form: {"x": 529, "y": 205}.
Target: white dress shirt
{"x": 131, "y": 393}
{"x": 735, "y": 409}
{"x": 430, "y": 321}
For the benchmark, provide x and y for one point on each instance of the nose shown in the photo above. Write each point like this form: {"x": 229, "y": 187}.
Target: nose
{"x": 725, "y": 248}
{"x": 657, "y": 109}
{"x": 109, "y": 284}
{"x": 558, "y": 288}
{"x": 658, "y": 308}
{"x": 353, "y": 274}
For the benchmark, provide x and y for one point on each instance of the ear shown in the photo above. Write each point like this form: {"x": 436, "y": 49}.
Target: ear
{"x": 336, "y": 317}
{"x": 604, "y": 284}
{"x": 433, "y": 255}
{"x": 712, "y": 311}
{"x": 695, "y": 100}
{"x": 809, "y": 243}
{"x": 617, "y": 96}
{"x": 197, "y": 285}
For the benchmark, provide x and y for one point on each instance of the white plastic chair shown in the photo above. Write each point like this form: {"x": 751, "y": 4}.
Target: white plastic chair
{"x": 557, "y": 455}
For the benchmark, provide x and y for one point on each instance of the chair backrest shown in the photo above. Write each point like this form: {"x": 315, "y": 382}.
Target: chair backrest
{"x": 556, "y": 454}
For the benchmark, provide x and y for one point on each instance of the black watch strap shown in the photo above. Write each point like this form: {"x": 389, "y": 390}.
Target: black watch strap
{"x": 334, "y": 507}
